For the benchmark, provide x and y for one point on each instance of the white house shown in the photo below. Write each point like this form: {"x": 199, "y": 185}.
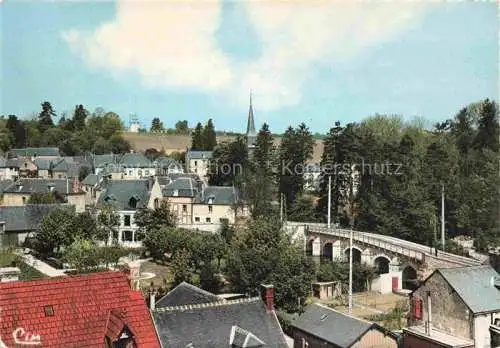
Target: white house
{"x": 198, "y": 162}
{"x": 127, "y": 197}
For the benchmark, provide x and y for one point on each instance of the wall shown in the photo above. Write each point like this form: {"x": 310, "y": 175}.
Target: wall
{"x": 176, "y": 204}
{"x": 78, "y": 200}
{"x": 155, "y": 193}
{"x": 198, "y": 166}
{"x": 411, "y": 341}
{"x": 15, "y": 199}
{"x": 202, "y": 212}
{"x": 383, "y": 283}
{"x": 482, "y": 335}
{"x": 449, "y": 312}
{"x": 313, "y": 342}
{"x": 43, "y": 173}
{"x": 376, "y": 339}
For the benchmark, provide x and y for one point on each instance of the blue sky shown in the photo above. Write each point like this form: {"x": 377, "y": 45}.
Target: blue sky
{"x": 313, "y": 63}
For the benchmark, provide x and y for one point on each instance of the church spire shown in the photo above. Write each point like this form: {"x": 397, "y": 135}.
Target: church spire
{"x": 251, "y": 121}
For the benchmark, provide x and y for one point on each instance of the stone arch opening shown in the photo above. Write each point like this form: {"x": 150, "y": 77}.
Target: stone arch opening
{"x": 381, "y": 263}
{"x": 328, "y": 250}
{"x": 309, "y": 247}
{"x": 356, "y": 255}
{"x": 410, "y": 279}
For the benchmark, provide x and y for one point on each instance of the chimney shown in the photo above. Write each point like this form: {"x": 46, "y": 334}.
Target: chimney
{"x": 428, "y": 324}
{"x": 152, "y": 300}
{"x": 132, "y": 272}
{"x": 267, "y": 293}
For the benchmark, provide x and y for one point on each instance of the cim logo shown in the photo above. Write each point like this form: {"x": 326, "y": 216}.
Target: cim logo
{"x": 23, "y": 338}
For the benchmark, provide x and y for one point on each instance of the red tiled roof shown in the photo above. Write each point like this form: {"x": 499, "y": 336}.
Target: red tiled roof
{"x": 86, "y": 308}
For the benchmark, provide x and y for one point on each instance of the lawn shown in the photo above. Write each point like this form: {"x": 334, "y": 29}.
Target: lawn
{"x": 9, "y": 259}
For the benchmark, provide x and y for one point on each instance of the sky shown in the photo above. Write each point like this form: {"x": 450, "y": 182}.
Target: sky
{"x": 304, "y": 61}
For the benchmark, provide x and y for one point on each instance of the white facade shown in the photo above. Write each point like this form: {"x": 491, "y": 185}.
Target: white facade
{"x": 9, "y": 173}
{"x": 127, "y": 230}
{"x": 199, "y": 166}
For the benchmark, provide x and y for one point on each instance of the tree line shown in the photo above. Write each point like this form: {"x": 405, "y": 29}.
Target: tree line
{"x": 98, "y": 132}
{"x": 386, "y": 175}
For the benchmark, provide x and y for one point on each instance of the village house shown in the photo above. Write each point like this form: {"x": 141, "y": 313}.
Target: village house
{"x": 20, "y": 191}
{"x": 127, "y": 197}
{"x": 198, "y": 162}
{"x": 92, "y": 187}
{"x": 321, "y": 326}
{"x": 167, "y": 166}
{"x": 14, "y": 168}
{"x": 180, "y": 195}
{"x": 455, "y": 307}
{"x": 19, "y": 222}
{"x": 90, "y": 310}
{"x": 214, "y": 205}
{"x": 191, "y": 317}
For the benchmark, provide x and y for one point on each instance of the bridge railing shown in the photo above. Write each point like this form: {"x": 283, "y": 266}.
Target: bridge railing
{"x": 363, "y": 238}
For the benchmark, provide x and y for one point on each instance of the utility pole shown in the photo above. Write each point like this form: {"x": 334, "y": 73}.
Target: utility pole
{"x": 350, "y": 271}
{"x": 281, "y": 208}
{"x": 443, "y": 241}
{"x": 329, "y": 200}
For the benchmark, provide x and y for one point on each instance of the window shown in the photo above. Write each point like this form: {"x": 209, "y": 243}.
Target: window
{"x": 210, "y": 209}
{"x": 209, "y": 220}
{"x": 417, "y": 308}
{"x": 130, "y": 172}
{"x": 126, "y": 220}
{"x": 146, "y": 172}
{"x": 176, "y": 193}
{"x": 304, "y": 343}
{"x": 195, "y": 163}
{"x": 24, "y": 200}
{"x": 157, "y": 203}
{"x": 49, "y": 311}
{"x": 139, "y": 172}
{"x": 184, "y": 208}
{"x": 127, "y": 236}
{"x": 197, "y": 219}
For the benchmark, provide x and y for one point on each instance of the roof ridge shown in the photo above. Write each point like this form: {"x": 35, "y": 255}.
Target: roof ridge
{"x": 207, "y": 305}
{"x": 342, "y": 313}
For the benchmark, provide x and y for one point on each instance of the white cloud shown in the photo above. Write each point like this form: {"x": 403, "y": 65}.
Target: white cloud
{"x": 173, "y": 44}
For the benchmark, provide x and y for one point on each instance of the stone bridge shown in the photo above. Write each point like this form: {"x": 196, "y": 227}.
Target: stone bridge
{"x": 402, "y": 259}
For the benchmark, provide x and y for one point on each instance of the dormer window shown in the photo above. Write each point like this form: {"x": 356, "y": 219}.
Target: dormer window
{"x": 211, "y": 200}
{"x": 176, "y": 193}
{"x": 51, "y": 188}
{"x": 133, "y": 202}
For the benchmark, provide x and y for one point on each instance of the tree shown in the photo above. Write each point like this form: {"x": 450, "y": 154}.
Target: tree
{"x": 263, "y": 253}
{"x": 108, "y": 221}
{"x": 45, "y": 117}
{"x": 261, "y": 181}
{"x": 18, "y": 131}
{"x": 42, "y": 198}
{"x": 79, "y": 117}
{"x": 197, "y": 138}
{"x": 156, "y": 125}
{"x": 209, "y": 137}
{"x": 229, "y": 163}
{"x": 83, "y": 255}
{"x": 302, "y": 210}
{"x": 182, "y": 127}
{"x": 209, "y": 279}
{"x": 181, "y": 267}
{"x": 489, "y": 129}
{"x": 55, "y": 231}
{"x": 118, "y": 144}
{"x": 296, "y": 149}
{"x": 154, "y": 219}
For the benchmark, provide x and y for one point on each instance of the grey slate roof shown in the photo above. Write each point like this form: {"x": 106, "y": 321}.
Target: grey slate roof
{"x": 27, "y": 217}
{"x": 210, "y": 325}
{"x": 186, "y": 294}
{"x": 218, "y": 195}
{"x": 27, "y": 186}
{"x": 35, "y": 151}
{"x": 91, "y": 180}
{"x": 121, "y": 193}
{"x": 331, "y": 326}
{"x": 100, "y": 161}
{"x": 199, "y": 154}
{"x": 3, "y": 160}
{"x": 43, "y": 163}
{"x": 185, "y": 187}
{"x": 167, "y": 163}
{"x": 4, "y": 184}
{"x": 474, "y": 286}
{"x": 135, "y": 160}
{"x": 14, "y": 163}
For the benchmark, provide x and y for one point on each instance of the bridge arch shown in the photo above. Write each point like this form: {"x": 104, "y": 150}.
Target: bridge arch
{"x": 356, "y": 254}
{"x": 381, "y": 263}
{"x": 328, "y": 249}
{"x": 409, "y": 277}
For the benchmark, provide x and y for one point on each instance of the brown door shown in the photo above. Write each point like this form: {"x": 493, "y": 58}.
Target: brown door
{"x": 395, "y": 281}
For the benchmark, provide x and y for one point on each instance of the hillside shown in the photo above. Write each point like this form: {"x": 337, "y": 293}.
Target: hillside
{"x": 171, "y": 143}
